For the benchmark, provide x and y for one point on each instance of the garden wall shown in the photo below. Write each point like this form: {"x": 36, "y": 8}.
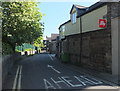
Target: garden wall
{"x": 7, "y": 63}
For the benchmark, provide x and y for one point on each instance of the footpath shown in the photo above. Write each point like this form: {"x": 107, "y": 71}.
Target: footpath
{"x": 104, "y": 76}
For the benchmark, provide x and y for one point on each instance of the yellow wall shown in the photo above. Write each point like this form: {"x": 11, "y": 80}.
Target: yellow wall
{"x": 61, "y": 36}
{"x": 72, "y": 28}
{"x": 90, "y": 21}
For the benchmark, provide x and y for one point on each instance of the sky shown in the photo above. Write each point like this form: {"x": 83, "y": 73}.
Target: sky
{"x": 56, "y": 13}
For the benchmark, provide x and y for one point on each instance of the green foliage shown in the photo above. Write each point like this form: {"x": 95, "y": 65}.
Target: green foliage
{"x": 6, "y": 49}
{"x": 38, "y": 42}
{"x": 21, "y": 21}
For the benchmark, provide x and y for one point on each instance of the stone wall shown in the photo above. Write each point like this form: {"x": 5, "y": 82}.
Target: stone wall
{"x": 64, "y": 46}
{"x": 74, "y": 48}
{"x": 96, "y": 50}
{"x": 115, "y": 9}
{"x": 7, "y": 63}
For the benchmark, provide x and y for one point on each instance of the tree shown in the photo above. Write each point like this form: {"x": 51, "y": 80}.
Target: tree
{"x": 38, "y": 42}
{"x": 21, "y": 23}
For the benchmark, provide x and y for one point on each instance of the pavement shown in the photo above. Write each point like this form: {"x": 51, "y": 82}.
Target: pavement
{"x": 45, "y": 72}
{"x": 105, "y": 76}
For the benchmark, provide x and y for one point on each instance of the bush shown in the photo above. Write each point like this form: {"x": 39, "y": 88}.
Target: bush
{"x": 6, "y": 49}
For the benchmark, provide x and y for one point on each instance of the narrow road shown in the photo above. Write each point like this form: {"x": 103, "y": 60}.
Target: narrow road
{"x": 44, "y": 71}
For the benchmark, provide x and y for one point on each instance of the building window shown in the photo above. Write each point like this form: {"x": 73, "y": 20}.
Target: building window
{"x": 74, "y": 17}
{"x": 63, "y": 30}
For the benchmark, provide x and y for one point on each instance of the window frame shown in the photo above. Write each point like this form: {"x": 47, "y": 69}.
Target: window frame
{"x": 63, "y": 29}
{"x": 74, "y": 18}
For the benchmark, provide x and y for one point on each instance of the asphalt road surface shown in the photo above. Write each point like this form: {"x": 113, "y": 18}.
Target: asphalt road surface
{"x": 44, "y": 71}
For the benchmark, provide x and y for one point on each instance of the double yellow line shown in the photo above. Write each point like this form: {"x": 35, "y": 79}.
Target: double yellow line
{"x": 17, "y": 80}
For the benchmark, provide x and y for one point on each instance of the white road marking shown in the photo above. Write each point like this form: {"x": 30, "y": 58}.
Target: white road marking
{"x": 53, "y": 55}
{"x": 54, "y": 69}
{"x": 80, "y": 80}
{"x": 89, "y": 80}
{"x": 83, "y": 81}
{"x": 15, "y": 80}
{"x": 18, "y": 76}
{"x": 48, "y": 84}
{"x": 19, "y": 81}
{"x": 99, "y": 82}
{"x": 50, "y": 57}
{"x": 70, "y": 82}
{"x": 60, "y": 81}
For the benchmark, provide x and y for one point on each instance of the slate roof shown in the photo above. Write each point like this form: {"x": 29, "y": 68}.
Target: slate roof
{"x": 77, "y": 7}
{"x": 93, "y": 7}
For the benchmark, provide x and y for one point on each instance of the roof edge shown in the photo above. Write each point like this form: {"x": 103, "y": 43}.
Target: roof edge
{"x": 64, "y": 23}
{"x": 93, "y": 7}
{"x": 75, "y": 5}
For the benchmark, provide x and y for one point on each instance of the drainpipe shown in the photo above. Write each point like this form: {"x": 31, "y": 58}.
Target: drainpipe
{"x": 80, "y": 39}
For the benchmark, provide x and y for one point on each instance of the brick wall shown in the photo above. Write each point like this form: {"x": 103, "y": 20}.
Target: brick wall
{"x": 7, "y": 64}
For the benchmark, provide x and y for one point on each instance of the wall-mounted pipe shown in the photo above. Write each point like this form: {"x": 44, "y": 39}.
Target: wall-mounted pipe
{"x": 80, "y": 39}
